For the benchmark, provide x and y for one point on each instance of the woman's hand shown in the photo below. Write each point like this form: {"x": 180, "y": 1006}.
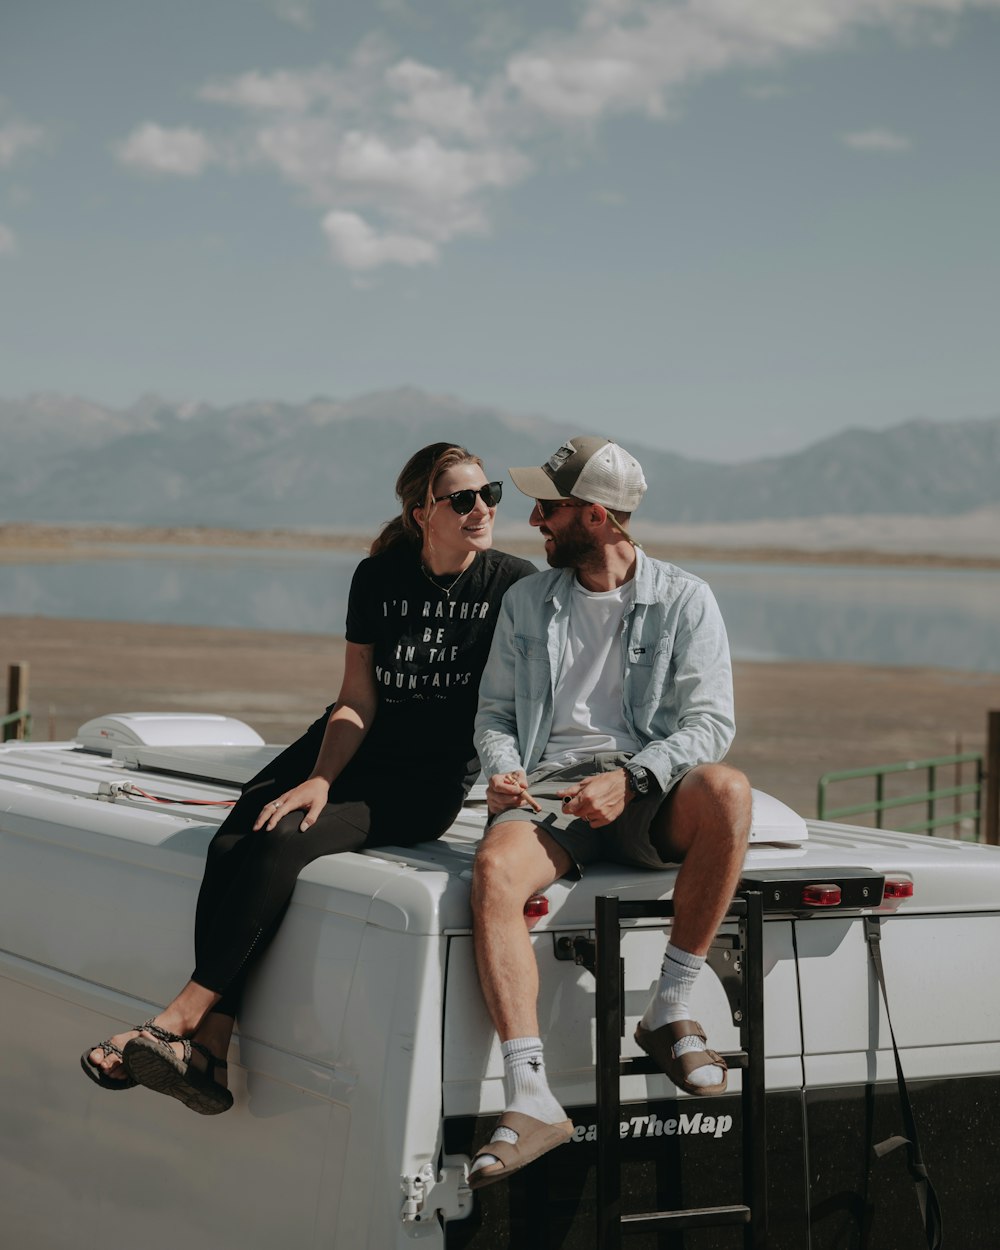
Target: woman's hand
{"x": 507, "y": 790}
{"x": 311, "y": 797}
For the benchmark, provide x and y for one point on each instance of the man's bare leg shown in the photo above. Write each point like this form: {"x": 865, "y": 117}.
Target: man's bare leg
{"x": 707, "y": 824}
{"x": 515, "y": 860}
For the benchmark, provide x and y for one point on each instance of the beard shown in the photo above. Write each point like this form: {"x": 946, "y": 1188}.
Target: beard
{"x": 574, "y": 549}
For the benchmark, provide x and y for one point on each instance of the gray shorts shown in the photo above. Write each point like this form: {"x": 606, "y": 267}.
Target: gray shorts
{"x": 625, "y": 841}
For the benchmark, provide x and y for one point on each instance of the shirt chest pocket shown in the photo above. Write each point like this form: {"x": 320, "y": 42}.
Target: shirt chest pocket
{"x": 649, "y": 670}
{"x": 531, "y": 672}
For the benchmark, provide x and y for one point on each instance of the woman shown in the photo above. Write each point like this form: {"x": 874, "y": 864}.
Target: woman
{"x": 390, "y": 763}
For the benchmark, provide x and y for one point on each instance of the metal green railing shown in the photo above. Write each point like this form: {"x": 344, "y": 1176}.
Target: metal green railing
{"x": 932, "y": 795}
{"x": 21, "y": 717}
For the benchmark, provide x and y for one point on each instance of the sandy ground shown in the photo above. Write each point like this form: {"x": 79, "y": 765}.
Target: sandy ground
{"x": 796, "y": 720}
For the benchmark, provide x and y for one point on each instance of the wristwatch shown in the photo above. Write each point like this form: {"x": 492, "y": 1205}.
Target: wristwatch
{"x": 641, "y": 781}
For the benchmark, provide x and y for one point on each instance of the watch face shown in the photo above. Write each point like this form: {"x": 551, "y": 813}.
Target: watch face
{"x": 640, "y": 779}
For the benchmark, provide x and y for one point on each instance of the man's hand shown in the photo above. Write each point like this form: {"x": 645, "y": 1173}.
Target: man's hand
{"x": 597, "y": 800}
{"x": 507, "y": 790}
{"x": 311, "y": 797}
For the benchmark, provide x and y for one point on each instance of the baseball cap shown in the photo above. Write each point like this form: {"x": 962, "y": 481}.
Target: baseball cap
{"x": 594, "y": 469}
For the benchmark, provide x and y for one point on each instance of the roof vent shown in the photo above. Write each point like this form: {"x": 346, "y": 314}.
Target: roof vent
{"x": 774, "y": 821}
{"x": 104, "y": 733}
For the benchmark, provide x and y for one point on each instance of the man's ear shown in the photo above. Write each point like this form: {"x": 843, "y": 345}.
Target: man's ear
{"x": 596, "y": 514}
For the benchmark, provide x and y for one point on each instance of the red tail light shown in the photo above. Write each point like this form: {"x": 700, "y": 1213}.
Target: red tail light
{"x": 821, "y": 895}
{"x": 897, "y": 887}
{"x": 536, "y": 906}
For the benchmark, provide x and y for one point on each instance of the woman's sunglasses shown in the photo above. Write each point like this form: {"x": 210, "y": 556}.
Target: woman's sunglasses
{"x": 464, "y": 501}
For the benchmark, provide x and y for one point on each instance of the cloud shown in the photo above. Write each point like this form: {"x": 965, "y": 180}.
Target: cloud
{"x": 424, "y": 169}
{"x": 284, "y": 91}
{"x": 298, "y": 12}
{"x": 8, "y": 243}
{"x": 161, "y": 150}
{"x": 17, "y": 137}
{"x": 877, "y": 140}
{"x": 638, "y": 55}
{"x": 434, "y": 99}
{"x": 360, "y": 247}
{"x": 422, "y": 186}
{"x": 402, "y": 156}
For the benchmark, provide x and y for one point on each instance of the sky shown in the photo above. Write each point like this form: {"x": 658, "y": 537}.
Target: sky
{"x": 729, "y": 228}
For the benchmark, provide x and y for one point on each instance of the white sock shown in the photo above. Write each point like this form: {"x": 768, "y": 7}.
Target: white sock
{"x": 527, "y": 1089}
{"x": 670, "y": 1003}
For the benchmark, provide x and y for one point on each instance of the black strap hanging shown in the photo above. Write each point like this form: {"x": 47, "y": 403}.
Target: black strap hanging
{"x": 930, "y": 1211}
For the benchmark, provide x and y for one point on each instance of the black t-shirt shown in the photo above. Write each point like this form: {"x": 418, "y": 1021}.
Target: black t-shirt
{"x": 431, "y": 637}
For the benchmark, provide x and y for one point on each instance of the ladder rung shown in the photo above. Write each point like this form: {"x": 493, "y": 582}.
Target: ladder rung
{"x": 695, "y": 1217}
{"x": 663, "y": 908}
{"x": 643, "y": 1064}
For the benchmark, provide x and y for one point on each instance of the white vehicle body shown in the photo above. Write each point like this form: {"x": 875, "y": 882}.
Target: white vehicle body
{"x": 366, "y": 1065}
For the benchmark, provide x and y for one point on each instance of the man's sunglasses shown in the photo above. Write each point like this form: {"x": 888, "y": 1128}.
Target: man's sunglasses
{"x": 464, "y": 501}
{"x": 547, "y": 506}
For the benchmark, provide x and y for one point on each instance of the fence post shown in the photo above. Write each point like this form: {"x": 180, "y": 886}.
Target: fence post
{"x": 992, "y": 823}
{"x": 17, "y": 698}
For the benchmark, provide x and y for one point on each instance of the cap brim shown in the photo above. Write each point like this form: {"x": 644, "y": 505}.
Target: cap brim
{"x": 535, "y": 483}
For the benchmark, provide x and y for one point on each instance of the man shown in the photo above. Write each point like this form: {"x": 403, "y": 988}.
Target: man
{"x": 604, "y": 709}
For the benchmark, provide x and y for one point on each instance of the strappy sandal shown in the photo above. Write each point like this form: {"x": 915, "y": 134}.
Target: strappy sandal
{"x": 151, "y": 1062}
{"x": 97, "y": 1073}
{"x": 659, "y": 1045}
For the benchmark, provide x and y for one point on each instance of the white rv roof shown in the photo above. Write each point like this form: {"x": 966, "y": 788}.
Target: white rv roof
{"x": 91, "y": 799}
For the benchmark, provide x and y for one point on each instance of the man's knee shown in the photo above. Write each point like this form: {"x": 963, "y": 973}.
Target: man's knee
{"x": 719, "y": 797}
{"x": 725, "y": 785}
{"x": 494, "y": 870}
{"x": 513, "y": 861}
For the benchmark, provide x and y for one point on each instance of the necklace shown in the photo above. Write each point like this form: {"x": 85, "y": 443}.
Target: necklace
{"x": 446, "y": 590}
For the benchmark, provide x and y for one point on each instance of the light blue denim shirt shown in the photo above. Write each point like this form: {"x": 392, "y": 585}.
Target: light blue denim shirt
{"x": 678, "y": 683}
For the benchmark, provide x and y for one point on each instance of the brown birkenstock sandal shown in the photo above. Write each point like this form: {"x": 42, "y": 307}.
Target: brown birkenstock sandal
{"x": 534, "y": 1139}
{"x": 659, "y": 1045}
{"x": 152, "y": 1063}
{"x": 97, "y": 1073}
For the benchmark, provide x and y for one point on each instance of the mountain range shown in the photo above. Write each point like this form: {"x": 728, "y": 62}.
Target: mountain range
{"x": 330, "y": 464}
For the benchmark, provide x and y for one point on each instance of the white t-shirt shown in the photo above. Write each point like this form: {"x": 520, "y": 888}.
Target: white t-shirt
{"x": 588, "y": 713}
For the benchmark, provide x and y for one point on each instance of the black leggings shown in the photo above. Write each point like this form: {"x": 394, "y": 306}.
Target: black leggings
{"x": 249, "y": 876}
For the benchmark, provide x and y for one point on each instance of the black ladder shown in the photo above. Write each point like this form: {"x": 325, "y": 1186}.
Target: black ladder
{"x": 744, "y": 984}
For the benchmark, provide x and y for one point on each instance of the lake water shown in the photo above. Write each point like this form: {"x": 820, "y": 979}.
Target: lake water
{"x": 898, "y": 616}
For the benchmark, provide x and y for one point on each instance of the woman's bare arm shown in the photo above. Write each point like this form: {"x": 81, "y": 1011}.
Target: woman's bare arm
{"x": 349, "y": 722}
{"x": 352, "y": 715}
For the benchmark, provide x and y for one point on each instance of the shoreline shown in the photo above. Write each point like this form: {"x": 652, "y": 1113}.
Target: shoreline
{"x": 795, "y": 719}
{"x": 29, "y": 543}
